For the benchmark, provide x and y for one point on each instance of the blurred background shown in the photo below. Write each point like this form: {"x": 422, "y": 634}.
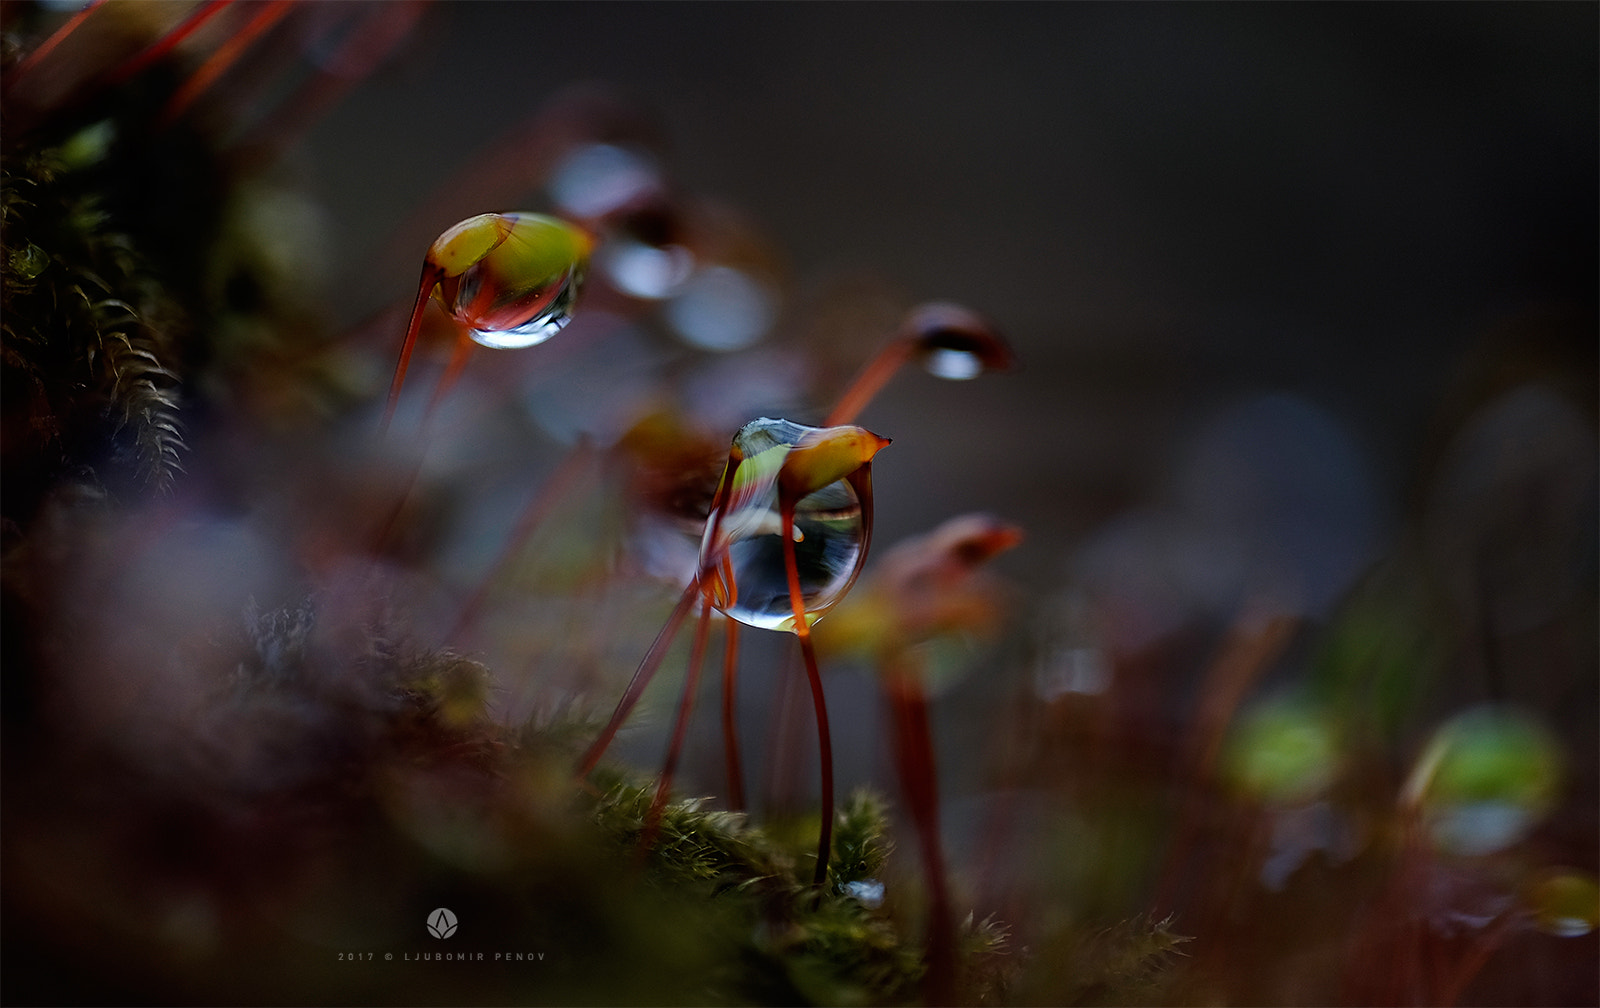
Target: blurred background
{"x": 1299, "y": 641}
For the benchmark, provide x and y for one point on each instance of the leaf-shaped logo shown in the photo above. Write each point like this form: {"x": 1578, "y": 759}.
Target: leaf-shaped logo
{"x": 441, "y": 923}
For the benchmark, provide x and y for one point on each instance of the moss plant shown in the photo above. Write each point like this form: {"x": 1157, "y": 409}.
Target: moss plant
{"x": 89, "y": 329}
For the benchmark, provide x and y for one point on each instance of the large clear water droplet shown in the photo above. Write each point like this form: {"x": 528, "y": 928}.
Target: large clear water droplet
{"x": 743, "y": 546}
{"x": 522, "y": 291}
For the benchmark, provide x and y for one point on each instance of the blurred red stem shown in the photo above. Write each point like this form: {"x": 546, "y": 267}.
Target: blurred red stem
{"x": 217, "y": 64}
{"x": 912, "y": 741}
{"x": 375, "y": 36}
{"x": 641, "y": 678}
{"x": 168, "y": 42}
{"x": 459, "y": 355}
{"x": 431, "y": 275}
{"x": 802, "y": 630}
{"x": 691, "y": 685}
{"x": 533, "y": 516}
{"x": 871, "y": 380}
{"x": 33, "y": 59}
{"x": 1253, "y": 643}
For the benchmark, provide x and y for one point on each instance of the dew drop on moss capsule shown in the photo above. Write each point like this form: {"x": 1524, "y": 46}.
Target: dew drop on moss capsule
{"x": 742, "y": 550}
{"x": 519, "y": 291}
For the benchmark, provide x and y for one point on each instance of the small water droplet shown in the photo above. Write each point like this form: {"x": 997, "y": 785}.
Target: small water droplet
{"x": 1281, "y": 752}
{"x": 1485, "y": 779}
{"x": 957, "y": 343}
{"x": 1564, "y": 902}
{"x": 743, "y": 546}
{"x": 1477, "y": 828}
{"x": 521, "y": 291}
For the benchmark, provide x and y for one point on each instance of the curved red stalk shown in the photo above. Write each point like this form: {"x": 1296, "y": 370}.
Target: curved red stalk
{"x": 658, "y": 649}
{"x": 802, "y": 630}
{"x": 431, "y": 275}
{"x": 691, "y": 685}
{"x": 641, "y": 678}
{"x": 871, "y": 380}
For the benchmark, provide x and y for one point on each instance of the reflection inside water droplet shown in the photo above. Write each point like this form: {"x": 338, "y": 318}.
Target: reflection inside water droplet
{"x": 1565, "y": 903}
{"x": 743, "y": 546}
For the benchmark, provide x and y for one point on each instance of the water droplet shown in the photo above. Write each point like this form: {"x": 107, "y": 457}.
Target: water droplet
{"x": 521, "y": 291}
{"x": 743, "y": 547}
{"x": 1485, "y": 780}
{"x": 1282, "y": 752}
{"x": 1477, "y": 828}
{"x": 957, "y": 343}
{"x": 1565, "y": 903}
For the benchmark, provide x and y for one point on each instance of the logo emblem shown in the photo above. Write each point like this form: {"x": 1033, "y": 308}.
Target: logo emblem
{"x": 441, "y": 923}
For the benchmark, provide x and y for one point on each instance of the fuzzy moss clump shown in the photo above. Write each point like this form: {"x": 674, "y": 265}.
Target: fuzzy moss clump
{"x": 90, "y": 331}
{"x": 799, "y": 945}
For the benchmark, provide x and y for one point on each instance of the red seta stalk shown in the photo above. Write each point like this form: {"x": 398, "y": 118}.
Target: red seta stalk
{"x": 697, "y": 655}
{"x": 641, "y": 679}
{"x": 802, "y": 630}
{"x": 912, "y": 742}
{"x": 268, "y": 15}
{"x": 431, "y": 275}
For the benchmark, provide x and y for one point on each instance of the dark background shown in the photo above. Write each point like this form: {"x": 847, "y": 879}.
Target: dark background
{"x": 1162, "y": 206}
